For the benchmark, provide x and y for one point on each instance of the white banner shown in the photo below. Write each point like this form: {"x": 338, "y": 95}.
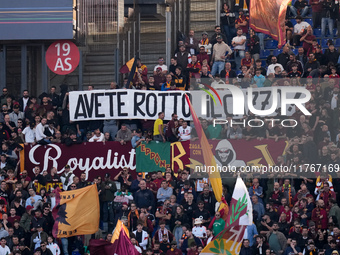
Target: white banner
{"x": 126, "y": 104}
{"x": 142, "y": 104}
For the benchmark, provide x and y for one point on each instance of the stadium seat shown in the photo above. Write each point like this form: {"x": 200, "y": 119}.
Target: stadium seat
{"x": 277, "y": 52}
{"x": 238, "y": 72}
{"x": 309, "y": 21}
{"x": 270, "y": 44}
{"x": 337, "y": 42}
{"x": 264, "y": 53}
{"x": 334, "y": 31}
{"x": 324, "y": 43}
{"x": 264, "y": 63}
{"x": 267, "y": 36}
{"x": 293, "y": 21}
{"x": 295, "y": 51}
{"x": 317, "y": 32}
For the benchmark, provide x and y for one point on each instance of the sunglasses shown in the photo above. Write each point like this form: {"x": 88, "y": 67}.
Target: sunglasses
{"x": 73, "y": 186}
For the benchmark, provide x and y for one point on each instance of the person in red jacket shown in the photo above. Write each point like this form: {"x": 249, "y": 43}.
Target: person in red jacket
{"x": 319, "y": 215}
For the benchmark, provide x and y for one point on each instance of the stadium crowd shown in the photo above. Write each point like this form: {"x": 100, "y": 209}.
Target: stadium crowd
{"x": 175, "y": 213}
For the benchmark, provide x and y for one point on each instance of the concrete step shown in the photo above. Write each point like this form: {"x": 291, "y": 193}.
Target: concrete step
{"x": 99, "y": 77}
{"x": 203, "y": 15}
{"x": 199, "y": 6}
{"x": 91, "y": 78}
{"x": 158, "y": 48}
{"x": 95, "y": 57}
{"x": 153, "y": 37}
{"x": 202, "y": 25}
{"x": 99, "y": 67}
{"x": 153, "y": 27}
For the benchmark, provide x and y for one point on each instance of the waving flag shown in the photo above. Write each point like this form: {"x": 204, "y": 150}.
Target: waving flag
{"x": 239, "y": 217}
{"x": 268, "y": 17}
{"x": 76, "y": 212}
{"x": 128, "y": 66}
{"x": 209, "y": 159}
{"x": 116, "y": 233}
{"x": 120, "y": 243}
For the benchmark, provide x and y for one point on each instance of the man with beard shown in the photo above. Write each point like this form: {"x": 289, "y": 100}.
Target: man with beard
{"x": 23, "y": 100}
{"x": 276, "y": 240}
{"x": 209, "y": 200}
{"x": 276, "y": 196}
{"x": 271, "y": 212}
{"x": 319, "y": 215}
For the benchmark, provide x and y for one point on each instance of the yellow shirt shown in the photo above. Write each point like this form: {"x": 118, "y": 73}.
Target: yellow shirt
{"x": 155, "y": 126}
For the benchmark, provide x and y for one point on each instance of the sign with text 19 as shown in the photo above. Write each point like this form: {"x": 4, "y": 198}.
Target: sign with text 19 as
{"x": 62, "y": 57}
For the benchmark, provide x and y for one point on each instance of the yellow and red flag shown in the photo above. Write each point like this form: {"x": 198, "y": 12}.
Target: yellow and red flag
{"x": 120, "y": 243}
{"x": 128, "y": 66}
{"x": 76, "y": 212}
{"x": 209, "y": 159}
{"x": 240, "y": 215}
{"x": 119, "y": 226}
{"x": 268, "y": 17}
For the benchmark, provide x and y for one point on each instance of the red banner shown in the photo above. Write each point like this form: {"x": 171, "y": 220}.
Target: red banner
{"x": 268, "y": 17}
{"x": 252, "y": 152}
{"x": 95, "y": 159}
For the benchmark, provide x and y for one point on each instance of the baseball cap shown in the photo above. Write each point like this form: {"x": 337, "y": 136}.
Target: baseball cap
{"x": 336, "y": 86}
{"x": 67, "y": 166}
{"x": 309, "y": 77}
{"x": 29, "y": 207}
{"x": 159, "y": 69}
{"x": 139, "y": 131}
{"x": 140, "y": 174}
{"x": 107, "y": 175}
{"x": 125, "y": 203}
{"x": 218, "y": 37}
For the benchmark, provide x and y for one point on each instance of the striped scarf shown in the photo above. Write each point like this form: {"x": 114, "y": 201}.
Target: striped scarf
{"x": 245, "y": 7}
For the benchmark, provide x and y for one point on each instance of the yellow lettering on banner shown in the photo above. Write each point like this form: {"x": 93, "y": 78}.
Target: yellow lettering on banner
{"x": 264, "y": 150}
{"x": 284, "y": 151}
{"x": 254, "y": 162}
{"x": 177, "y": 159}
{"x": 48, "y": 186}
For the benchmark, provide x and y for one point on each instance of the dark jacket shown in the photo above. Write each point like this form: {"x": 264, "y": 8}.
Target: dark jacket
{"x": 246, "y": 251}
{"x": 144, "y": 198}
{"x": 329, "y": 10}
{"x": 185, "y": 244}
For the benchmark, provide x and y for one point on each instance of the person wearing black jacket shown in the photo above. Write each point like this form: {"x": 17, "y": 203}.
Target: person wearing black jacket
{"x": 72, "y": 139}
{"x": 328, "y": 15}
{"x": 253, "y": 44}
{"x": 227, "y": 73}
{"x": 246, "y": 249}
{"x": 259, "y": 248}
{"x": 311, "y": 65}
{"x": 213, "y": 39}
{"x": 331, "y": 54}
{"x": 228, "y": 23}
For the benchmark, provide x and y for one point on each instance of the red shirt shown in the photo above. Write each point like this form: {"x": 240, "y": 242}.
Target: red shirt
{"x": 202, "y": 56}
{"x": 240, "y": 20}
{"x": 158, "y": 182}
{"x": 246, "y": 62}
{"x": 320, "y": 223}
{"x": 306, "y": 46}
